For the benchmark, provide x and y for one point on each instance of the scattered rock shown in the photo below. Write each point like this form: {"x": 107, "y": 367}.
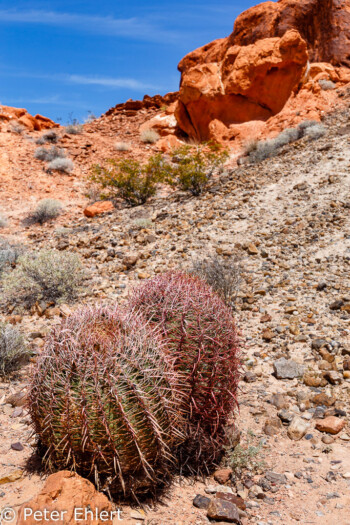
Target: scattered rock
{"x": 226, "y": 511}
{"x": 223, "y": 475}
{"x": 298, "y": 428}
{"x": 98, "y": 208}
{"x": 331, "y": 425}
{"x": 287, "y": 369}
{"x": 201, "y": 502}
{"x": 64, "y": 492}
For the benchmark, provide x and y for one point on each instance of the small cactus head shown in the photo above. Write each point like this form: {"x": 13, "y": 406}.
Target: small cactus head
{"x": 104, "y": 401}
{"x": 201, "y": 337}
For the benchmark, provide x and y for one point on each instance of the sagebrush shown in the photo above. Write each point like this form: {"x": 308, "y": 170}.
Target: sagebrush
{"x": 46, "y": 210}
{"x": 13, "y": 349}
{"x": 61, "y": 164}
{"x": 47, "y": 275}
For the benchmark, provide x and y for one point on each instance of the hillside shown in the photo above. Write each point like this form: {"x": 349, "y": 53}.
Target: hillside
{"x": 282, "y": 222}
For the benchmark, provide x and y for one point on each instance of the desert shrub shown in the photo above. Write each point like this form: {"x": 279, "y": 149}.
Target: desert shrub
{"x": 303, "y": 126}
{"x": 13, "y": 349}
{"x": 130, "y": 180}
{"x": 49, "y": 154}
{"x": 122, "y": 146}
{"x": 73, "y": 129}
{"x": 43, "y": 276}
{"x": 149, "y": 136}
{"x": 141, "y": 224}
{"x": 327, "y": 85}
{"x": 9, "y": 254}
{"x": 249, "y": 146}
{"x": 47, "y": 210}
{"x": 315, "y": 132}
{"x": 200, "y": 336}
{"x": 50, "y": 136}
{"x": 105, "y": 402}
{"x": 194, "y": 167}
{"x": 3, "y": 221}
{"x": 223, "y": 275}
{"x": 245, "y": 459}
{"x": 90, "y": 117}
{"x": 61, "y": 164}
{"x": 270, "y": 147}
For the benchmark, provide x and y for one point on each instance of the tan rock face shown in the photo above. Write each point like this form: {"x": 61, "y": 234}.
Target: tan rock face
{"x": 63, "y": 495}
{"x": 239, "y": 84}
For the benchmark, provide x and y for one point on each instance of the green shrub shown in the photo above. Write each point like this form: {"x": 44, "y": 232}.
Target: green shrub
{"x": 13, "y": 349}
{"x": 47, "y": 275}
{"x": 47, "y": 210}
{"x": 194, "y": 167}
{"x": 128, "y": 179}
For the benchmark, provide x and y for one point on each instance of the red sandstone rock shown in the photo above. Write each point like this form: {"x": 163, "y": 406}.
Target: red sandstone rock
{"x": 323, "y": 24}
{"x": 331, "y": 425}
{"x": 62, "y": 493}
{"x": 98, "y": 208}
{"x": 168, "y": 143}
{"x": 240, "y": 84}
{"x": 20, "y": 115}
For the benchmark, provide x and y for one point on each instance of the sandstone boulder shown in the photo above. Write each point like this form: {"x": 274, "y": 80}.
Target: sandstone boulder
{"x": 61, "y": 496}
{"x": 235, "y": 84}
{"x": 98, "y": 208}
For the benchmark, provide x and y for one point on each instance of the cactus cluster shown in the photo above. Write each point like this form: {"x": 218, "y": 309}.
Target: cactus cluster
{"x": 201, "y": 336}
{"x": 129, "y": 397}
{"x": 104, "y": 402}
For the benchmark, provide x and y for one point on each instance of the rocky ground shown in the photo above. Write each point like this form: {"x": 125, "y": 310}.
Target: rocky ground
{"x": 287, "y": 221}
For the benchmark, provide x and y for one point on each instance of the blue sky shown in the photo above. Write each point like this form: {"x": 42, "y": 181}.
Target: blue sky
{"x": 63, "y": 58}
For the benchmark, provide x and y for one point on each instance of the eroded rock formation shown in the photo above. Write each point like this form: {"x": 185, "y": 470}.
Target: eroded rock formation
{"x": 250, "y": 75}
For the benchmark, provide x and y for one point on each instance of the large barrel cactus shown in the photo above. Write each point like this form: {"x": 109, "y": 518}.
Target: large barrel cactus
{"x": 106, "y": 402}
{"x": 201, "y": 336}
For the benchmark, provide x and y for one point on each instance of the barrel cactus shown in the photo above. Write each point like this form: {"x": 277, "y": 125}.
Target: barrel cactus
{"x": 201, "y": 336}
{"x": 105, "y": 402}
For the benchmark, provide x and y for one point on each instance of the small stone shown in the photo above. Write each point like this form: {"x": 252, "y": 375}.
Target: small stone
{"x": 220, "y": 509}
{"x": 332, "y": 377}
{"x": 297, "y": 429}
{"x": 130, "y": 259}
{"x": 327, "y": 440}
{"x": 331, "y": 425}
{"x": 336, "y": 305}
{"x": 249, "y": 377}
{"x": 223, "y": 475}
{"x": 272, "y": 426}
{"x": 17, "y": 446}
{"x": 279, "y": 401}
{"x": 275, "y": 478}
{"x": 237, "y": 500}
{"x": 201, "y": 502}
{"x": 11, "y": 477}
{"x": 287, "y": 369}
{"x": 17, "y": 400}
{"x": 252, "y": 249}
{"x": 268, "y": 335}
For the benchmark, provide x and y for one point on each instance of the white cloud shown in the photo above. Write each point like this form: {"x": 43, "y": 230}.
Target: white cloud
{"x": 109, "y": 82}
{"x": 134, "y": 28}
